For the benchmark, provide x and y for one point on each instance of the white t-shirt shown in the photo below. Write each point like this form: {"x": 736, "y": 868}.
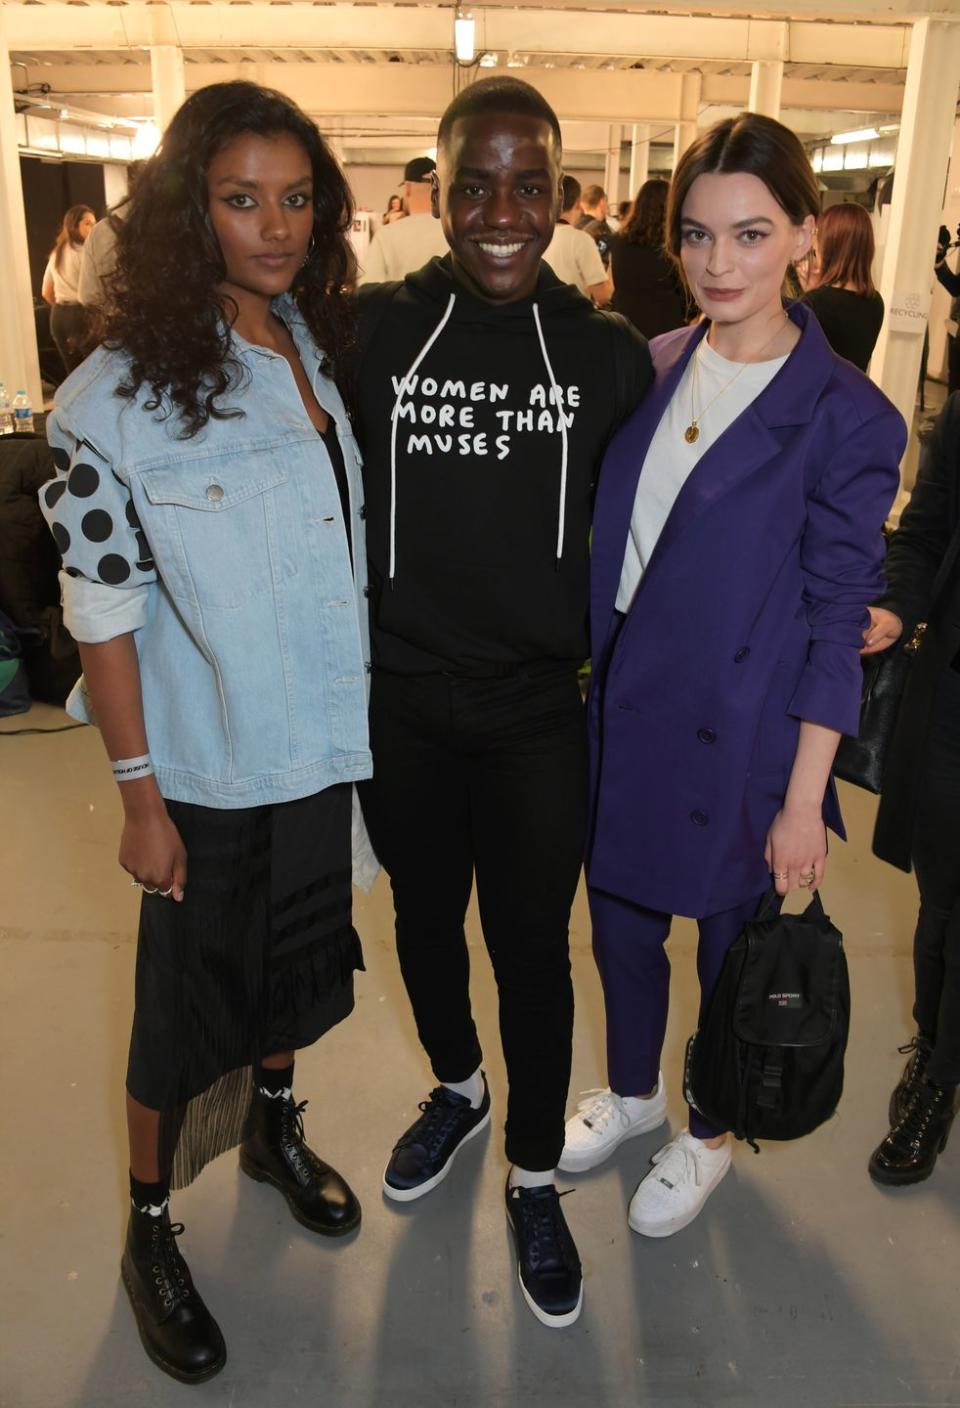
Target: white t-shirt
{"x": 574, "y": 258}
{"x": 99, "y": 259}
{"x": 66, "y": 279}
{"x": 670, "y": 460}
{"x": 401, "y": 248}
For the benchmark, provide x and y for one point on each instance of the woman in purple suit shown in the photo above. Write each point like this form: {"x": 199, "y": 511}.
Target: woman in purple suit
{"x": 736, "y": 545}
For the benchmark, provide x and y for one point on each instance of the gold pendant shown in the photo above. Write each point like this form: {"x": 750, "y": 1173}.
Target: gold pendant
{"x": 692, "y": 433}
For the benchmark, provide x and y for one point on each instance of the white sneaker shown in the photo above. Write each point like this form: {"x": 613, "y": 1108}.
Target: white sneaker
{"x": 685, "y": 1174}
{"x": 603, "y": 1121}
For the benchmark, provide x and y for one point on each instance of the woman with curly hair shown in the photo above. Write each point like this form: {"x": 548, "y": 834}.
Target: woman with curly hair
{"x": 61, "y": 279}
{"x": 207, "y": 506}
{"x": 647, "y": 289}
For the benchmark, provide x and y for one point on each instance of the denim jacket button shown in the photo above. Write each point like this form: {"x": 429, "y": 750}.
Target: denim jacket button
{"x": 215, "y": 493}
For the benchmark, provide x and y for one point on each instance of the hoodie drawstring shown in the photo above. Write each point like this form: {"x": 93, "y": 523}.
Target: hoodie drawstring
{"x": 404, "y": 386}
{"x": 395, "y": 416}
{"x": 562, "y": 511}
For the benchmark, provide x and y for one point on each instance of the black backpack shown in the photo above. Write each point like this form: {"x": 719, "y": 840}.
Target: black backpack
{"x": 767, "y": 1062}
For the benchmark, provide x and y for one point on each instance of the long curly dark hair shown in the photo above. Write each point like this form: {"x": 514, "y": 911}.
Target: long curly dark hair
{"x": 163, "y": 310}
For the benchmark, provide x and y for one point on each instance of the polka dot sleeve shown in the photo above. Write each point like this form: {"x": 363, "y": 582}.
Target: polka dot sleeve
{"x": 102, "y": 544}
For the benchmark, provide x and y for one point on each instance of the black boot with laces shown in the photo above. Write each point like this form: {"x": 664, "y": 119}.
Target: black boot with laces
{"x": 918, "y": 1051}
{"x": 548, "y": 1265}
{"x": 177, "y": 1330}
{"x": 275, "y": 1151}
{"x": 423, "y": 1154}
{"x": 909, "y": 1152}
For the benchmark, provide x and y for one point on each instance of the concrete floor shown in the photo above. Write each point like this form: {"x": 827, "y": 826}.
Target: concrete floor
{"x": 801, "y": 1285}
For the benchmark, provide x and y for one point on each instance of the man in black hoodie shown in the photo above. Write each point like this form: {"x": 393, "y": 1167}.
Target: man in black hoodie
{"x": 487, "y": 393}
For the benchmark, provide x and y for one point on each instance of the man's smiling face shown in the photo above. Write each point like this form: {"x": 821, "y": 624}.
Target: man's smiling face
{"x": 498, "y": 196}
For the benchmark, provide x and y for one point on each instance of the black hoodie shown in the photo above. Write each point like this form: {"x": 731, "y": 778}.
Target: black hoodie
{"x": 478, "y": 484}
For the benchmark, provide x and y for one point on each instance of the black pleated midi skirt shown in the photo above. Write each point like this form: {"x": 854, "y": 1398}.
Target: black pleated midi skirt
{"x": 257, "y": 959}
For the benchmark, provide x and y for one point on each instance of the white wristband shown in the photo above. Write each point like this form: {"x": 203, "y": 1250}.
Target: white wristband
{"x": 128, "y": 769}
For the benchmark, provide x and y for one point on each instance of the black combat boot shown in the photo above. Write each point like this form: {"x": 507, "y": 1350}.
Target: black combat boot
{"x": 912, "y": 1078}
{"x": 177, "y": 1330}
{"x": 909, "y": 1152}
{"x": 274, "y": 1151}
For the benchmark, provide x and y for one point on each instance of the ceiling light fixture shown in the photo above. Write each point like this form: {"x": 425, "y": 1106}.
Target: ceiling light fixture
{"x": 464, "y": 36}
{"x": 862, "y": 134}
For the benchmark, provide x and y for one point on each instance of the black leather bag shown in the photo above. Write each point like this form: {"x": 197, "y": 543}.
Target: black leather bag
{"x": 861, "y": 760}
{"x": 767, "y": 1062}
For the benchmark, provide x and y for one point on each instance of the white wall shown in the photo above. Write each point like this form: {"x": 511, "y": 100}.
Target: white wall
{"x": 114, "y": 182}
{"x": 373, "y": 186}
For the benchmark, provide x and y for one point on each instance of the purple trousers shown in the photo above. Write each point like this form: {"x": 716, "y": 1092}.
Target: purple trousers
{"x": 628, "y": 945}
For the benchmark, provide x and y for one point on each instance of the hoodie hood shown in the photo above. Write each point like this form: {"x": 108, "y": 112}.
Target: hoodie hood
{"x": 436, "y": 281}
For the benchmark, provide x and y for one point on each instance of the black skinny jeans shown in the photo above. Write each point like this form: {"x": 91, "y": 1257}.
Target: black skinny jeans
{"x": 486, "y": 776}
{"x": 68, "y": 328}
{"x": 936, "y": 860}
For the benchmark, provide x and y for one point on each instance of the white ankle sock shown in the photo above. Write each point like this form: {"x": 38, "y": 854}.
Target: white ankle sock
{"x": 471, "y": 1088}
{"x": 525, "y": 1178}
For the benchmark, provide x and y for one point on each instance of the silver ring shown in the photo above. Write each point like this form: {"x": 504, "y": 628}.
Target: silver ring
{"x": 149, "y": 890}
{"x": 164, "y": 894}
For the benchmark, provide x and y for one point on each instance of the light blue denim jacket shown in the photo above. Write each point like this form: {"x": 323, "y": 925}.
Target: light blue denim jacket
{"x": 226, "y": 555}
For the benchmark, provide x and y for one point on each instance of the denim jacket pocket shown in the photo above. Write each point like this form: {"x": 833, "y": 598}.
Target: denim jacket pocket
{"x": 215, "y": 527}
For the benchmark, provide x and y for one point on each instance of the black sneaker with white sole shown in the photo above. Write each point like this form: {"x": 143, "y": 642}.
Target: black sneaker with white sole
{"x": 422, "y": 1156}
{"x": 548, "y": 1265}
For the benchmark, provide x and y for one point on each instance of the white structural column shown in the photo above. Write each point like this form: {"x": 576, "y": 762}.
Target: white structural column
{"x": 686, "y": 130}
{"x": 684, "y": 135}
{"x": 19, "y": 360}
{"x": 166, "y": 64}
{"x": 639, "y": 156}
{"x": 169, "y": 88}
{"x": 611, "y": 173}
{"x": 926, "y": 131}
{"x": 766, "y": 86}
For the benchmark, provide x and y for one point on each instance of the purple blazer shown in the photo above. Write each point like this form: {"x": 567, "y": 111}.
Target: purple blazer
{"x": 747, "y": 620}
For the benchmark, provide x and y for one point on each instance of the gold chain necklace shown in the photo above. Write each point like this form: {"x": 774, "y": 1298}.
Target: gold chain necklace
{"x": 692, "y": 432}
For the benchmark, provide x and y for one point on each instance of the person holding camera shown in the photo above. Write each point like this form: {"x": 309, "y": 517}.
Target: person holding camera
{"x": 920, "y": 804}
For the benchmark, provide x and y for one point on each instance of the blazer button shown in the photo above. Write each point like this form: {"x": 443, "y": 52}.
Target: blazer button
{"x": 699, "y": 818}
{"x": 706, "y": 735}
{"x": 741, "y": 655}
{"x": 214, "y": 493}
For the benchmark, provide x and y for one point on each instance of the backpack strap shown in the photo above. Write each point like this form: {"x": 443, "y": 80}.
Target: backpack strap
{"x": 770, "y": 1094}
